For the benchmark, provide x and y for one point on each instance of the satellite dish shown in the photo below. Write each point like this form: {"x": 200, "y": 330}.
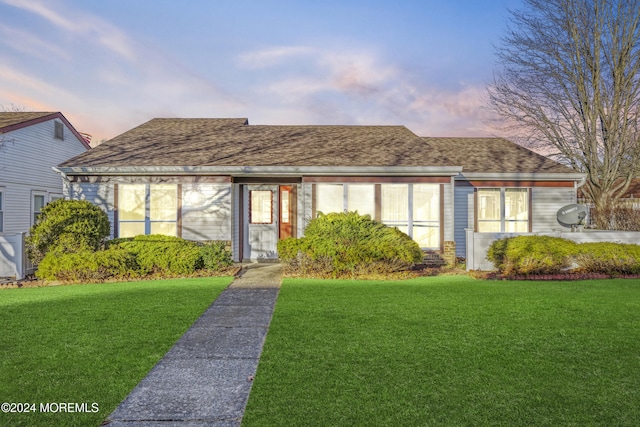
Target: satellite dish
{"x": 572, "y": 215}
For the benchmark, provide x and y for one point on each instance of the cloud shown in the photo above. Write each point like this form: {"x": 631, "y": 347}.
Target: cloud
{"x": 343, "y": 86}
{"x": 83, "y": 24}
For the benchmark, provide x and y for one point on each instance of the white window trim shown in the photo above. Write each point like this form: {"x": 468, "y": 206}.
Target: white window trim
{"x": 35, "y": 193}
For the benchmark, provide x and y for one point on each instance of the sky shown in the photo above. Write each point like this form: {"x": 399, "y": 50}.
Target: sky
{"x": 111, "y": 65}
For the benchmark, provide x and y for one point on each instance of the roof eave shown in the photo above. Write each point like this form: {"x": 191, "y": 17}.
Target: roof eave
{"x": 537, "y": 176}
{"x": 267, "y": 171}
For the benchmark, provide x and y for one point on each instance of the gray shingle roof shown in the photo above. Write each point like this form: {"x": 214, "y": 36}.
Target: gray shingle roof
{"x": 498, "y": 155}
{"x": 233, "y": 142}
{"x": 11, "y": 118}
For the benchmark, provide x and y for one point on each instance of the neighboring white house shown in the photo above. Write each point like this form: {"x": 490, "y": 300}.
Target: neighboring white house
{"x": 31, "y": 144}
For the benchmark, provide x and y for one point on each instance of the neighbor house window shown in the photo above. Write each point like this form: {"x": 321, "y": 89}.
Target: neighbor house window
{"x": 503, "y": 210}
{"x": 1, "y": 210}
{"x": 413, "y": 208}
{"x": 147, "y": 209}
{"x": 37, "y": 203}
{"x": 58, "y": 130}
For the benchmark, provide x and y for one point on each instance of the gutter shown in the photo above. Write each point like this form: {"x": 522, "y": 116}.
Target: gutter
{"x": 264, "y": 171}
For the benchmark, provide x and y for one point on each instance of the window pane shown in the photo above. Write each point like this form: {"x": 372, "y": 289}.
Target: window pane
{"x": 1, "y": 201}
{"x": 517, "y": 227}
{"x": 426, "y": 202}
{"x": 38, "y": 202}
{"x": 166, "y": 228}
{"x": 329, "y": 198}
{"x": 516, "y": 204}
{"x": 163, "y": 202}
{"x": 489, "y": 227}
{"x": 489, "y": 204}
{"x": 426, "y": 236}
{"x": 131, "y": 229}
{"x": 285, "y": 205}
{"x": 131, "y": 202}
{"x": 361, "y": 198}
{"x": 395, "y": 203}
{"x": 260, "y": 207}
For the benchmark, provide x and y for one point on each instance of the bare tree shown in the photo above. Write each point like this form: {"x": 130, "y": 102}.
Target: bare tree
{"x": 568, "y": 84}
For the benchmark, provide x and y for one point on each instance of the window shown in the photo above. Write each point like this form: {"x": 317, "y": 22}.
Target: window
{"x": 37, "y": 204}
{"x": 329, "y": 198}
{"x": 413, "y": 208}
{"x": 1, "y": 210}
{"x": 503, "y": 210}
{"x": 147, "y": 209}
{"x": 261, "y": 207}
{"x": 58, "y": 130}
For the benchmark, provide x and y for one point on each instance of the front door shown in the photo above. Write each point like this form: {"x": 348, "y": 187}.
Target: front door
{"x": 269, "y": 216}
{"x": 261, "y": 218}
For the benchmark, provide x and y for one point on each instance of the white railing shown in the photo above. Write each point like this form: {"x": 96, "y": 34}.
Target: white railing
{"x": 14, "y": 262}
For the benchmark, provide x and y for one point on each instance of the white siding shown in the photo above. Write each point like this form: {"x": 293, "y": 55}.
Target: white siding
{"x": 26, "y": 159}
{"x": 304, "y": 207}
{"x": 545, "y": 202}
{"x": 100, "y": 194}
{"x": 206, "y": 212}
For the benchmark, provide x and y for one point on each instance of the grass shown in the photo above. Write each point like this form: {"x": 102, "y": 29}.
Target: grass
{"x": 90, "y": 343}
{"x": 451, "y": 351}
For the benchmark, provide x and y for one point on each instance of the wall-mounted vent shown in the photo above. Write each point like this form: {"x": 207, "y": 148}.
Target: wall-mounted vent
{"x": 58, "y": 131}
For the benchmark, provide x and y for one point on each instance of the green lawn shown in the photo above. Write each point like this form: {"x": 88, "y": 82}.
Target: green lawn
{"x": 451, "y": 351}
{"x": 90, "y": 343}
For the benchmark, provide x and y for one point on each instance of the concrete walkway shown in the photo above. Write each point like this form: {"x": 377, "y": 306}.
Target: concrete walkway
{"x": 205, "y": 379}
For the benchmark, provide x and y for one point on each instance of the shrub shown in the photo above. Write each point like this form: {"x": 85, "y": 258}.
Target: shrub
{"x": 86, "y": 265}
{"x": 348, "y": 243}
{"x": 162, "y": 254}
{"x": 69, "y": 226}
{"x": 608, "y": 258}
{"x": 215, "y": 256}
{"x": 532, "y": 254}
{"x": 618, "y": 216}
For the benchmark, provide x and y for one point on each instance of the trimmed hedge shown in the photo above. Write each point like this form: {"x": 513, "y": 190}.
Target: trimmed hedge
{"x": 525, "y": 255}
{"x": 339, "y": 244}
{"x": 135, "y": 257}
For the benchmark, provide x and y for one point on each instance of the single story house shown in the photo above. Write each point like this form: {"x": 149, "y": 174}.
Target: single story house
{"x": 251, "y": 185}
{"x": 31, "y": 143}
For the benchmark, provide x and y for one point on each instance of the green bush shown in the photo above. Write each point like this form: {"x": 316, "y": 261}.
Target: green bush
{"x": 215, "y": 256}
{"x": 549, "y": 255}
{"x": 349, "y": 243}
{"x": 68, "y": 226}
{"x": 608, "y": 258}
{"x": 532, "y": 254}
{"x": 162, "y": 254}
{"x": 86, "y": 265}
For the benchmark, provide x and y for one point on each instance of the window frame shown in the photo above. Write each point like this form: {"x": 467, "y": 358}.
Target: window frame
{"x": 503, "y": 221}
{"x": 147, "y": 220}
{"x": 251, "y": 204}
{"x": 34, "y": 213}
{"x": 407, "y": 226}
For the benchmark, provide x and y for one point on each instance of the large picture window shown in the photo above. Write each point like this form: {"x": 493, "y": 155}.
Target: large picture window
{"x": 503, "y": 210}
{"x": 413, "y": 208}
{"x": 147, "y": 209}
